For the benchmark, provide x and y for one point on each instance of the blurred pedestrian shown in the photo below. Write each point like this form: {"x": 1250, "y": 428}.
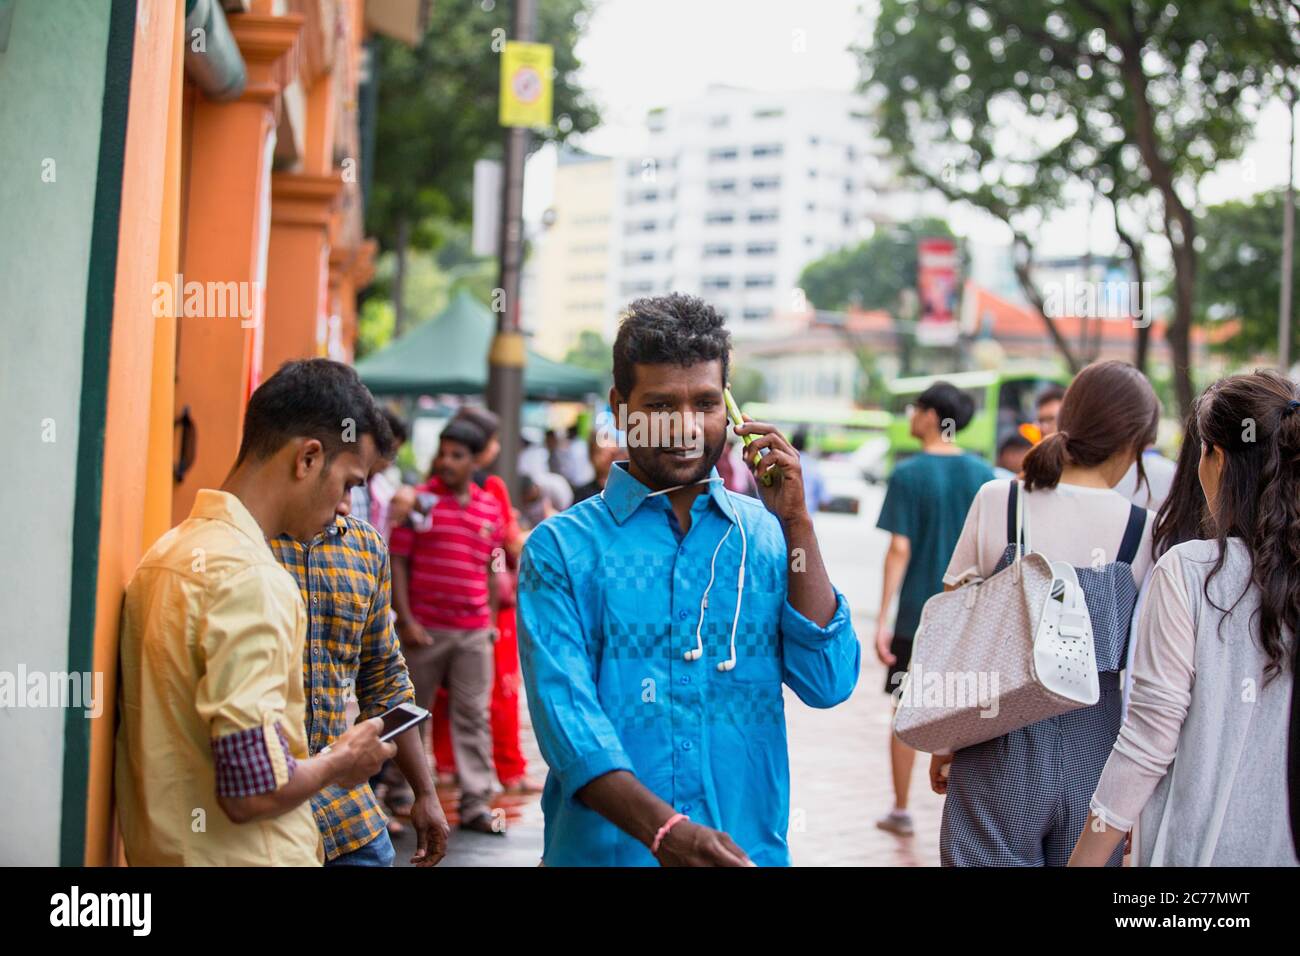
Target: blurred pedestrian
{"x": 1048, "y": 408}
{"x": 1157, "y": 478}
{"x": 1201, "y": 762}
{"x": 602, "y": 453}
{"x": 816, "y": 496}
{"x": 575, "y": 460}
{"x": 533, "y": 456}
{"x": 372, "y": 501}
{"x": 444, "y": 595}
{"x": 542, "y": 495}
{"x": 1022, "y": 799}
{"x": 507, "y": 756}
{"x": 925, "y": 504}
{"x": 1011, "y": 455}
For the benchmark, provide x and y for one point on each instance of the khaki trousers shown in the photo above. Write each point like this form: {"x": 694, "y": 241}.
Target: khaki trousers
{"x": 464, "y": 660}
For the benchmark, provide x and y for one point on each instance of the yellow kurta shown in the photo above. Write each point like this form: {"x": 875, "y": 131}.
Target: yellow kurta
{"x": 212, "y": 644}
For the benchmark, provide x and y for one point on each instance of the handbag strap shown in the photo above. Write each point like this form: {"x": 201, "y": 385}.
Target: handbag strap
{"x": 1137, "y": 522}
{"x": 1017, "y": 520}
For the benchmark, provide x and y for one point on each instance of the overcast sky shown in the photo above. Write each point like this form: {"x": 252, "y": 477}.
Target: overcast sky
{"x": 639, "y": 54}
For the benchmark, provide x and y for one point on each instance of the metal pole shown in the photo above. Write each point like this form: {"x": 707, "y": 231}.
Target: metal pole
{"x": 506, "y": 357}
{"x": 1288, "y": 254}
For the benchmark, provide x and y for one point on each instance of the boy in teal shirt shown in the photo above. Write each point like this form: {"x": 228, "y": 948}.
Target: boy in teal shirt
{"x": 924, "y": 510}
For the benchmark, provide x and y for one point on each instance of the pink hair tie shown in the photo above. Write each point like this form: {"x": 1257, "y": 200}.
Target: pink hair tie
{"x": 675, "y": 819}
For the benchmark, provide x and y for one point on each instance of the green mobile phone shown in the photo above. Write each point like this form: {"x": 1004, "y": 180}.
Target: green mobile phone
{"x": 733, "y": 412}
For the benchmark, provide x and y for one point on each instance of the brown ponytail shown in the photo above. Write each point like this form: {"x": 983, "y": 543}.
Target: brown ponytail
{"x": 1110, "y": 407}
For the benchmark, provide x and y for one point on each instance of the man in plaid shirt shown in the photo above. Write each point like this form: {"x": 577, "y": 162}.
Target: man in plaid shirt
{"x": 351, "y": 648}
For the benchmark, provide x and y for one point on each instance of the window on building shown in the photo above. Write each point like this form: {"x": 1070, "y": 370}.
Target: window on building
{"x": 769, "y": 113}
{"x": 764, "y": 215}
{"x": 766, "y": 150}
{"x": 760, "y": 281}
{"x": 753, "y": 313}
{"x": 719, "y": 218}
{"x": 761, "y": 249}
{"x": 719, "y": 122}
{"x": 716, "y": 249}
{"x": 765, "y": 182}
{"x": 722, "y": 185}
{"x": 723, "y": 155}
{"x": 716, "y": 282}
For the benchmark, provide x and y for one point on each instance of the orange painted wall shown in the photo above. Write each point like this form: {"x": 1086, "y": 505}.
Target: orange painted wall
{"x": 229, "y": 164}
{"x": 224, "y": 236}
{"x": 154, "y": 72}
{"x": 298, "y": 269}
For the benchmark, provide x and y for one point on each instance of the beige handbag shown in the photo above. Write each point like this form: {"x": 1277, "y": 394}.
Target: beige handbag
{"x": 998, "y": 654}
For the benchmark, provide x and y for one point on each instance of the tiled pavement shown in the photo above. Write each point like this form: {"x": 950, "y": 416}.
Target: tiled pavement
{"x": 839, "y": 758}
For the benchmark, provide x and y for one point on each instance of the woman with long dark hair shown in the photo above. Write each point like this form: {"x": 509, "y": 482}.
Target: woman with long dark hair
{"x": 1022, "y": 798}
{"x": 1202, "y": 755}
{"x": 1182, "y": 516}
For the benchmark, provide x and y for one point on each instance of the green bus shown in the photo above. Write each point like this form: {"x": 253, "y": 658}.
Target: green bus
{"x": 830, "y": 431}
{"x": 1004, "y": 400}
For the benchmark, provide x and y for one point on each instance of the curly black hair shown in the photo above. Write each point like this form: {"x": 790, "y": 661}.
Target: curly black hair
{"x": 674, "y": 329}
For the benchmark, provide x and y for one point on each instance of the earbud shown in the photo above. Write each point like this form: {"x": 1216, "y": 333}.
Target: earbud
{"x": 726, "y": 665}
{"x": 693, "y": 654}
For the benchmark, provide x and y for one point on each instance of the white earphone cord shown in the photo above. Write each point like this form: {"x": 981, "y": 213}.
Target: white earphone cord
{"x": 697, "y": 651}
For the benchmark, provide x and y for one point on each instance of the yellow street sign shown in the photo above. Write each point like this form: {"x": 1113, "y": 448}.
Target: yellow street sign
{"x": 526, "y": 84}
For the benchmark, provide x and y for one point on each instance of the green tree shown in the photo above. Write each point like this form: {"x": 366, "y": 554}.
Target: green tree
{"x": 747, "y": 385}
{"x": 432, "y": 278}
{"x": 592, "y": 352}
{"x": 872, "y": 274}
{"x": 1239, "y": 277}
{"x": 437, "y": 115}
{"x": 878, "y": 273}
{"x": 1010, "y": 104}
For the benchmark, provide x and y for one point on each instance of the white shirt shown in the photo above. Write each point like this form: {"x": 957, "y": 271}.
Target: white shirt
{"x": 1160, "y": 478}
{"x": 1080, "y": 525}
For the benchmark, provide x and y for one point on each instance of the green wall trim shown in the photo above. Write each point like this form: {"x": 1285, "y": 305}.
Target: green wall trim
{"x": 101, "y": 282}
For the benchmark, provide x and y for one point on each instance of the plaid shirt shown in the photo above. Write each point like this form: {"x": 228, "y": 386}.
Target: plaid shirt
{"x": 351, "y": 646}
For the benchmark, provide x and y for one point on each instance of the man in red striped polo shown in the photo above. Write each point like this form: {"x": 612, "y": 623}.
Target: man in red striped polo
{"x": 443, "y": 592}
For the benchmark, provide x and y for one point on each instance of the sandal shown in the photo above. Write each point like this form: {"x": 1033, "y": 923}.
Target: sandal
{"x": 483, "y": 823}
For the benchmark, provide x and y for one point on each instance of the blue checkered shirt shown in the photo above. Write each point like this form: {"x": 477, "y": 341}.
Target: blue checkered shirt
{"x": 609, "y": 600}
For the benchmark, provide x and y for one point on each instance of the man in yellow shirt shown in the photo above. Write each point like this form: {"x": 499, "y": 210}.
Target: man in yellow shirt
{"x": 211, "y": 763}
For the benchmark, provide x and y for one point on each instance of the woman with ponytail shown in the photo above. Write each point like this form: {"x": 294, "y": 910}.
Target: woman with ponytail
{"x": 1216, "y": 654}
{"x": 1022, "y": 799}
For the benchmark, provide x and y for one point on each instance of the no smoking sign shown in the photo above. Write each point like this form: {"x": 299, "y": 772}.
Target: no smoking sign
{"x": 526, "y": 84}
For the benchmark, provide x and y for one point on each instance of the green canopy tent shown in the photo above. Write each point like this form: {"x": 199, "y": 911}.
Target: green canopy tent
{"x": 448, "y": 355}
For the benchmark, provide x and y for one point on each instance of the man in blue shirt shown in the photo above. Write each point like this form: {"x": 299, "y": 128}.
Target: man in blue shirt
{"x": 659, "y": 620}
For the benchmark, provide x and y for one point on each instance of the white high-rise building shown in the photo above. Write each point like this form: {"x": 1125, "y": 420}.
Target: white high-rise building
{"x": 739, "y": 190}
{"x": 571, "y": 263}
